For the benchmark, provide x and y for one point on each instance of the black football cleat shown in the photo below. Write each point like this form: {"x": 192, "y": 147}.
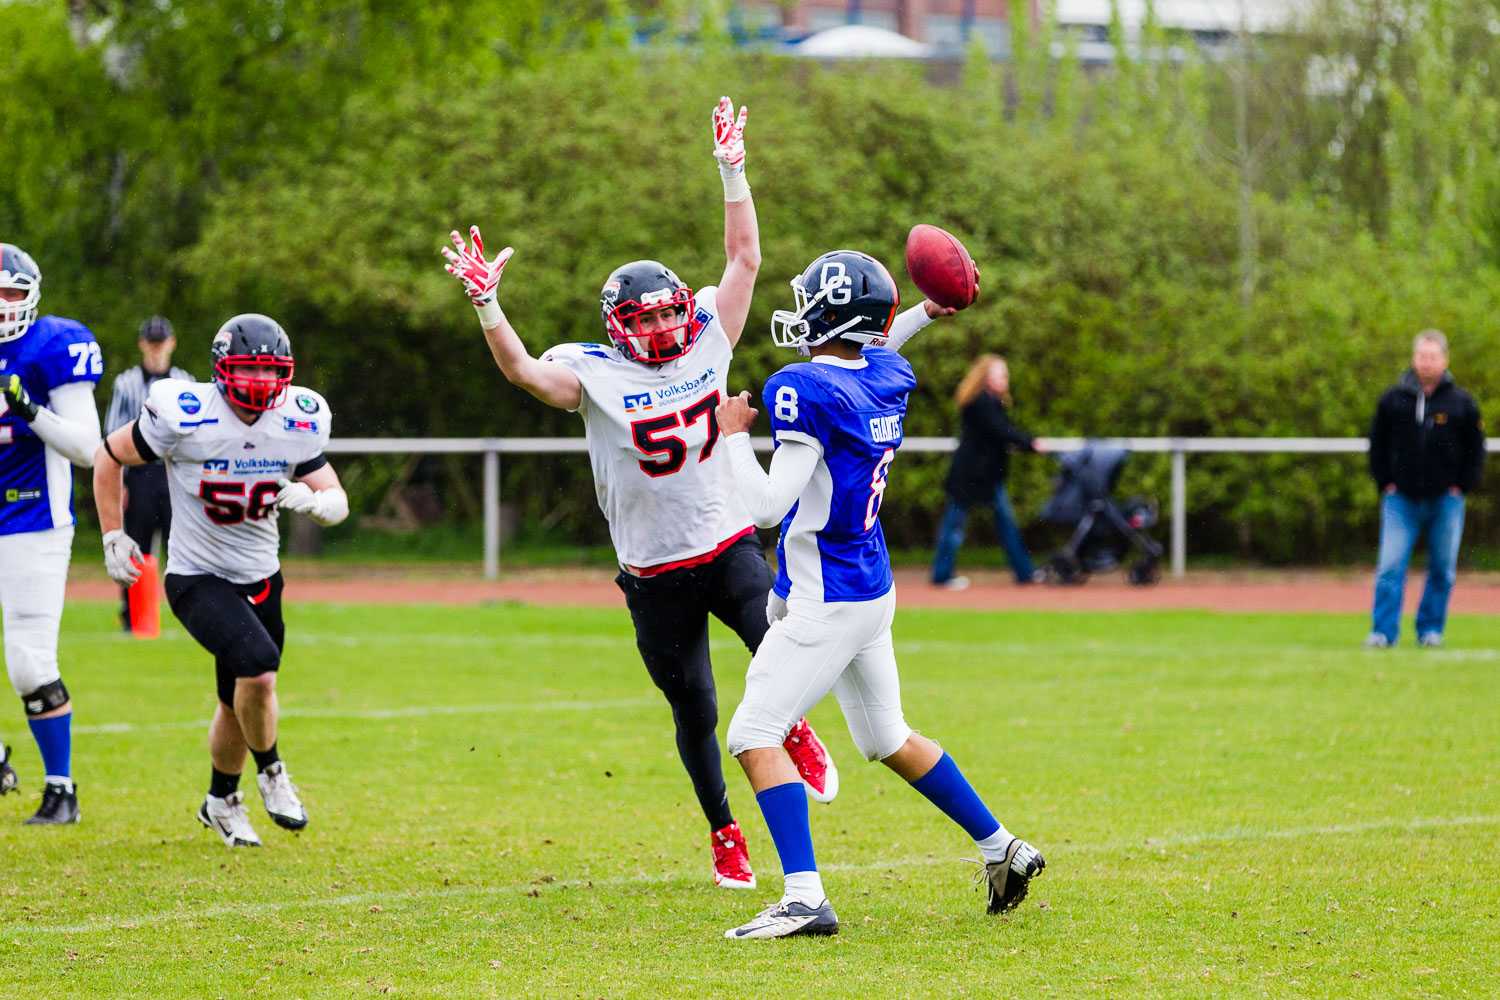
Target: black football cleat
{"x": 59, "y": 806}
{"x": 1009, "y": 879}
{"x": 9, "y": 782}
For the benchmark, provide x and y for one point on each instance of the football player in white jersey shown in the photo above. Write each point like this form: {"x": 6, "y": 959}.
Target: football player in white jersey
{"x": 237, "y": 451}
{"x": 48, "y": 369}
{"x": 685, "y": 543}
{"x": 837, "y": 420}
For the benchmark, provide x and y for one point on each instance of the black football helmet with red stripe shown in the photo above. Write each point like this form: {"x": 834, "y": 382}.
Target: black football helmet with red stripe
{"x": 645, "y": 286}
{"x": 252, "y": 341}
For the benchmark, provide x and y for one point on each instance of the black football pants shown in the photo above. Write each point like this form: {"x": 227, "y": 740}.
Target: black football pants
{"x": 670, "y": 613}
{"x": 239, "y": 623}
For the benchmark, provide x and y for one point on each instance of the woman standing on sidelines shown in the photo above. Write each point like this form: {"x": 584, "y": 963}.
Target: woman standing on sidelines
{"x": 980, "y": 466}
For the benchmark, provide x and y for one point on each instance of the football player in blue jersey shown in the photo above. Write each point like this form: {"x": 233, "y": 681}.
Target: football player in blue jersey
{"x": 48, "y": 369}
{"x": 837, "y": 422}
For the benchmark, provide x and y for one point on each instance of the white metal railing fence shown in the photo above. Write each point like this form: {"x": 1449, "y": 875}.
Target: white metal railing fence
{"x": 1178, "y": 448}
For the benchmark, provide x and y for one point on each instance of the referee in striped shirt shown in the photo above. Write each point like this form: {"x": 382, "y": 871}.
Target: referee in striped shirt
{"x": 148, "y": 511}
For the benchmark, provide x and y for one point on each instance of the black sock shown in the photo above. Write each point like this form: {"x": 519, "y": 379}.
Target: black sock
{"x": 222, "y": 785}
{"x": 265, "y": 758}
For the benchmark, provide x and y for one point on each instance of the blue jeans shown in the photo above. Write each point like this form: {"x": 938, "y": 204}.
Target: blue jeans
{"x": 1404, "y": 519}
{"x": 951, "y": 536}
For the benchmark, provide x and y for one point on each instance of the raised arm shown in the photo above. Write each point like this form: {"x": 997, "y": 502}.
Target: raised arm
{"x": 552, "y": 383}
{"x": 741, "y": 230}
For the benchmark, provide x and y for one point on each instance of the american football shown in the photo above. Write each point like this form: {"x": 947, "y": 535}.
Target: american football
{"x": 941, "y": 267}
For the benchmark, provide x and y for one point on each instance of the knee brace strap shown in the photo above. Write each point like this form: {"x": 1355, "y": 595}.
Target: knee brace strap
{"x": 46, "y": 698}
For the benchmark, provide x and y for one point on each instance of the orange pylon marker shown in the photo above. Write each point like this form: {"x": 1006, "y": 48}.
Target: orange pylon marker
{"x": 145, "y": 602}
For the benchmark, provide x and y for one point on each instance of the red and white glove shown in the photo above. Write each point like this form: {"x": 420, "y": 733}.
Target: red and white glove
{"x": 481, "y": 277}
{"x": 729, "y": 149}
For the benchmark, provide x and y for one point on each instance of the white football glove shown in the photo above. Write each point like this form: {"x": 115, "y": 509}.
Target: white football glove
{"x": 729, "y": 138}
{"x": 480, "y": 277}
{"x": 123, "y": 560}
{"x": 327, "y": 507}
{"x": 775, "y": 608}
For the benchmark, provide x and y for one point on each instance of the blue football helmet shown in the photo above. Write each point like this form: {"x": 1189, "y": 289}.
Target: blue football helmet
{"x": 844, "y": 294}
{"x": 18, "y": 273}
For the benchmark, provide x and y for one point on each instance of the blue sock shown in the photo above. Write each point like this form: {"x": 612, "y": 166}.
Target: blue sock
{"x": 54, "y": 738}
{"x": 946, "y": 787}
{"x": 785, "y": 810}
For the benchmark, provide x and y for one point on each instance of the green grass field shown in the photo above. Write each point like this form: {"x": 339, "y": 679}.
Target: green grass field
{"x": 1230, "y": 806}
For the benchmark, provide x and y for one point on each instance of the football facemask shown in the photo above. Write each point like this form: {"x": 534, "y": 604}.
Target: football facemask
{"x": 664, "y": 343}
{"x": 18, "y": 273}
{"x": 254, "y": 390}
{"x": 841, "y": 294}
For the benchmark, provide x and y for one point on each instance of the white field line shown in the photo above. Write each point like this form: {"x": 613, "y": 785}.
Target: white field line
{"x": 303, "y": 641}
{"x": 644, "y": 878}
{"x": 111, "y": 728}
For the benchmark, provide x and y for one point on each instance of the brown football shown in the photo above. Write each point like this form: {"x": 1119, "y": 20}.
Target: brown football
{"x": 940, "y": 266}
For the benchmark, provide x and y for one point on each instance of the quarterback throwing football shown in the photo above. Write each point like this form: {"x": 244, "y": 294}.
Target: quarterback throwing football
{"x": 237, "y": 450}
{"x": 684, "y": 541}
{"x": 837, "y": 420}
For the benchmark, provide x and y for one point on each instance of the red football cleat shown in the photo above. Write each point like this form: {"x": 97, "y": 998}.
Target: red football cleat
{"x": 814, "y": 766}
{"x": 731, "y": 860}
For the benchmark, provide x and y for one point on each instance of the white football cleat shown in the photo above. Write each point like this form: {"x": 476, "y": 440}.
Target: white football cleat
{"x": 280, "y": 797}
{"x": 788, "y": 919}
{"x": 227, "y": 818}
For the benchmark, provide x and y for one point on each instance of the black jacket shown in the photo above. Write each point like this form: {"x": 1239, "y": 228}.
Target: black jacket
{"x": 982, "y": 459}
{"x": 1425, "y": 444}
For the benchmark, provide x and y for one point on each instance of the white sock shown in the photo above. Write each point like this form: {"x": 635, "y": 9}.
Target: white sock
{"x": 805, "y": 888}
{"x": 57, "y": 779}
{"x": 992, "y": 848}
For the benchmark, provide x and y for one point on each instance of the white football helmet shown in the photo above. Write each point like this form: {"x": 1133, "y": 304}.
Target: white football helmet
{"x": 18, "y": 273}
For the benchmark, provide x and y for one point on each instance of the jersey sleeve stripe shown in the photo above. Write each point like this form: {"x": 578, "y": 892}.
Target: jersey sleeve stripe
{"x": 145, "y": 450}
{"x": 311, "y": 465}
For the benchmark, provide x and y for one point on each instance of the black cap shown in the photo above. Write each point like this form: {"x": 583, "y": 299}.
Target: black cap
{"x": 157, "y": 328}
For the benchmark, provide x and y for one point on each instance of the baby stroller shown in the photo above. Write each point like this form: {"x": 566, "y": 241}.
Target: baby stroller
{"x": 1103, "y": 533}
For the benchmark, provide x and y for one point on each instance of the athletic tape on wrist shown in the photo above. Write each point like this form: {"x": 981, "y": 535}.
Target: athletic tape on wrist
{"x": 489, "y": 314}
{"x": 736, "y": 188}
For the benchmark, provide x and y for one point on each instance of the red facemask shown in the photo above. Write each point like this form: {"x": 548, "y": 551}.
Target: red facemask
{"x": 258, "y": 392}
{"x": 643, "y": 346}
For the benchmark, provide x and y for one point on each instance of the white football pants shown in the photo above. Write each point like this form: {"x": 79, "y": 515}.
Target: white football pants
{"x": 843, "y": 647}
{"x": 33, "y": 578}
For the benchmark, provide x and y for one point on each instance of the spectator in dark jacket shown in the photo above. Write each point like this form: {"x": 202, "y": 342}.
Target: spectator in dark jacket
{"x": 1426, "y": 452}
{"x": 980, "y": 466}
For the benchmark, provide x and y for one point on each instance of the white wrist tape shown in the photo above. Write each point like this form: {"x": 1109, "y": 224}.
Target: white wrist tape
{"x": 332, "y": 506}
{"x": 736, "y": 188}
{"x": 489, "y": 314}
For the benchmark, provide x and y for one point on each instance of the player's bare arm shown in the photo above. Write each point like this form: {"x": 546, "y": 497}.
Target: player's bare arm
{"x": 122, "y": 556}
{"x": 741, "y": 230}
{"x": 552, "y": 383}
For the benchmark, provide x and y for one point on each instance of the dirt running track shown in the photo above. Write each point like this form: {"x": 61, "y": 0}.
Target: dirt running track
{"x": 1214, "y": 591}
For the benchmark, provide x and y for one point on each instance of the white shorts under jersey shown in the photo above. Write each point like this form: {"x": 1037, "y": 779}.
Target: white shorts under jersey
{"x": 662, "y": 477}
{"x": 222, "y": 473}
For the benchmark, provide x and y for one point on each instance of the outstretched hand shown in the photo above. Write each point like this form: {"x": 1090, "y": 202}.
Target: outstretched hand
{"x": 735, "y": 415}
{"x": 729, "y": 138}
{"x": 480, "y": 277}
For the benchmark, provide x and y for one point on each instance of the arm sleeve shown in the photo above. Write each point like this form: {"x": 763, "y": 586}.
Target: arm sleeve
{"x": 906, "y": 326}
{"x": 1473, "y": 459}
{"x": 69, "y": 423}
{"x": 999, "y": 425}
{"x": 116, "y": 416}
{"x": 159, "y": 424}
{"x": 769, "y": 497}
{"x": 1379, "y": 447}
